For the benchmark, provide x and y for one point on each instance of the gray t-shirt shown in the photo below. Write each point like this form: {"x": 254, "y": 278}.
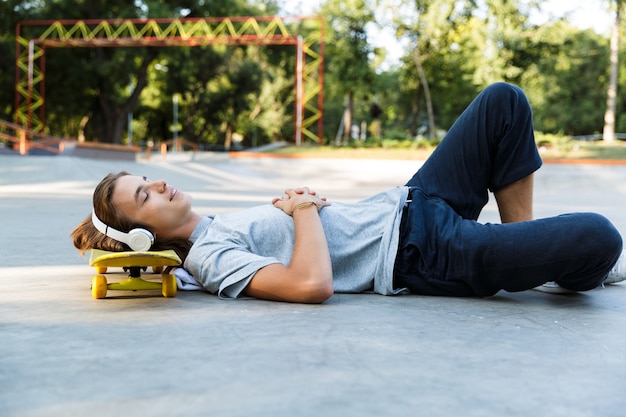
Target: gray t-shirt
{"x": 362, "y": 238}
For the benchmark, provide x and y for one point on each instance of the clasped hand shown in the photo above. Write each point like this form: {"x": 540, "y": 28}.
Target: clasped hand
{"x": 299, "y": 197}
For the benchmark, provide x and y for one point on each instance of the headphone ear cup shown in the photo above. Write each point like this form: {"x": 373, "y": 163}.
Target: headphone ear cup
{"x": 140, "y": 240}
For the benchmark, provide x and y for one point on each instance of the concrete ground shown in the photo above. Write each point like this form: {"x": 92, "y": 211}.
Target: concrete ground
{"x": 65, "y": 354}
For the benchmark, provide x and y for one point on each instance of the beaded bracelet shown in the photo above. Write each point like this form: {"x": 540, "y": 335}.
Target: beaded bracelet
{"x": 301, "y": 205}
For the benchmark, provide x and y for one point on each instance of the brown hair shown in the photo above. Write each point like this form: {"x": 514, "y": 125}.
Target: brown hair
{"x": 85, "y": 236}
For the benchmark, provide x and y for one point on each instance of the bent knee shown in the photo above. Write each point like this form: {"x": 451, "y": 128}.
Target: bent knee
{"x": 600, "y": 235}
{"x": 606, "y": 232}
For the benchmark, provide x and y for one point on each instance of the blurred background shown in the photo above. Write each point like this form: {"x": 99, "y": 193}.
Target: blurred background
{"x": 390, "y": 72}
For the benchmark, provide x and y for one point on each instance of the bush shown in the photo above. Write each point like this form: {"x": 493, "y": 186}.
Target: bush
{"x": 555, "y": 143}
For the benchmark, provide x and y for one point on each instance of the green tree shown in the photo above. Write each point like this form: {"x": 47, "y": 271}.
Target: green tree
{"x": 439, "y": 31}
{"x": 348, "y": 54}
{"x": 506, "y": 28}
{"x": 93, "y": 83}
{"x": 608, "y": 133}
{"x": 273, "y": 110}
{"x": 93, "y": 90}
{"x": 11, "y": 12}
{"x": 456, "y": 49}
{"x": 561, "y": 82}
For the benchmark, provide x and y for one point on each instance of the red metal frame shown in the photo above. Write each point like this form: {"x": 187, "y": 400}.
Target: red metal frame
{"x": 188, "y": 32}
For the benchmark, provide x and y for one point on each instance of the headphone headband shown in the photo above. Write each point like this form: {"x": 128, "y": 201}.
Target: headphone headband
{"x": 137, "y": 239}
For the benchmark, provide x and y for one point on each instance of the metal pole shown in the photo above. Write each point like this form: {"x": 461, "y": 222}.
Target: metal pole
{"x": 175, "y": 100}
{"x": 299, "y": 91}
{"x": 130, "y": 128}
{"x": 131, "y": 86}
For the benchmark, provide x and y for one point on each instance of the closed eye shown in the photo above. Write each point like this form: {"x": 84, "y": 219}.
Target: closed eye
{"x": 140, "y": 189}
{"x": 145, "y": 179}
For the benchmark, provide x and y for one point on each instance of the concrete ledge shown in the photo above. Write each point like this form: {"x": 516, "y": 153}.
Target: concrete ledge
{"x": 105, "y": 151}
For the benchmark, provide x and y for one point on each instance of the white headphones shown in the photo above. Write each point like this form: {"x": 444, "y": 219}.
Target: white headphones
{"x": 137, "y": 239}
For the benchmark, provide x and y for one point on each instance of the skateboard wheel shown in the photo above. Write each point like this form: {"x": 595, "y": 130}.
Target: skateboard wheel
{"x": 168, "y": 285}
{"x": 99, "y": 287}
{"x": 101, "y": 270}
{"x": 157, "y": 269}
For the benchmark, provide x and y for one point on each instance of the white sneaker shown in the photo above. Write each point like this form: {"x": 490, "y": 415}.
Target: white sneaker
{"x": 618, "y": 273}
{"x": 552, "y": 287}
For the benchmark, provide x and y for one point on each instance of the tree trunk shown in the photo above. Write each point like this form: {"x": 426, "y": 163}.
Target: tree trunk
{"x": 81, "y": 128}
{"x": 414, "y": 120}
{"x": 228, "y": 140}
{"x": 608, "y": 133}
{"x": 115, "y": 118}
{"x": 429, "y": 104}
{"x": 116, "y": 127}
{"x": 347, "y": 117}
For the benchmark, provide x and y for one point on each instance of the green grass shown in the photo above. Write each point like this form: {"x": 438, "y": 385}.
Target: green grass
{"x": 586, "y": 150}
{"x": 348, "y": 152}
{"x": 561, "y": 150}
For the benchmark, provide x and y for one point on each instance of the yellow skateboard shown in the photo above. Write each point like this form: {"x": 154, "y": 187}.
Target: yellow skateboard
{"x": 133, "y": 262}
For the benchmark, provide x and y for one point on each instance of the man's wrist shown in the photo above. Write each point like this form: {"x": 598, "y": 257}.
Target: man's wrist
{"x": 304, "y": 205}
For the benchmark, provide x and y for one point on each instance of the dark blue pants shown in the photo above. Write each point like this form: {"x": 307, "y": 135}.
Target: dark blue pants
{"x": 443, "y": 249}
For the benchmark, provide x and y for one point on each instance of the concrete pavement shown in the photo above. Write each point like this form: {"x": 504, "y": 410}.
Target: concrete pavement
{"x": 64, "y": 354}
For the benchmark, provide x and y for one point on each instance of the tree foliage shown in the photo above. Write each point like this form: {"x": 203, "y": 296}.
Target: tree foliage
{"x": 224, "y": 94}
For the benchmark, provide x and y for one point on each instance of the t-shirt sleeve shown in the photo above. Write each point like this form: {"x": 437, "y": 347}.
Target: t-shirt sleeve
{"x": 228, "y": 270}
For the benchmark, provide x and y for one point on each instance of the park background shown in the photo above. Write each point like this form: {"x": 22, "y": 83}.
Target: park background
{"x": 396, "y": 73}
{"x": 517, "y": 355}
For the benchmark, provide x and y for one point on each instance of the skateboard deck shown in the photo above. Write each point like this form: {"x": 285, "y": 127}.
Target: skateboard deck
{"x": 133, "y": 262}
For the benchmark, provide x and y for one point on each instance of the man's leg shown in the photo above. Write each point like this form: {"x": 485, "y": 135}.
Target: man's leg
{"x": 490, "y": 146}
{"x": 448, "y": 255}
{"x": 575, "y": 250}
{"x": 515, "y": 201}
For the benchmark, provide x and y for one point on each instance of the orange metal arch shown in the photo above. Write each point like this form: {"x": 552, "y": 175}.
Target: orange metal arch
{"x": 33, "y": 37}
